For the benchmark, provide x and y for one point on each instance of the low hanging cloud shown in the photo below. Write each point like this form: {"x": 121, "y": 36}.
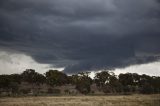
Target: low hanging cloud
{"x": 82, "y": 35}
{"x": 16, "y": 63}
{"x": 152, "y": 69}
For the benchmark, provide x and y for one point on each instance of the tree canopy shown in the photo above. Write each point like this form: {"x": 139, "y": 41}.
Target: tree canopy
{"x": 105, "y": 81}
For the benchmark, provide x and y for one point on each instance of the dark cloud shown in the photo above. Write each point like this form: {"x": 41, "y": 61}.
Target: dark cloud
{"x": 82, "y": 35}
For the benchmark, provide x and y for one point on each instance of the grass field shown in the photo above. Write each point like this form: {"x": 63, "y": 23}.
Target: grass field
{"x": 130, "y": 100}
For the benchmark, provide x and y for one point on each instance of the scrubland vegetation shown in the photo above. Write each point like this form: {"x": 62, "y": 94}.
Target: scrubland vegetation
{"x": 54, "y": 82}
{"x": 55, "y": 88}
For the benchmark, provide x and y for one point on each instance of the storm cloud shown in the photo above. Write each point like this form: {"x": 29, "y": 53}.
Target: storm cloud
{"x": 82, "y": 35}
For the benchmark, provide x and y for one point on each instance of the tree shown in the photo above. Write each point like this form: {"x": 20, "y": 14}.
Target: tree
{"x": 146, "y": 88}
{"x": 156, "y": 84}
{"x": 33, "y": 77}
{"x": 73, "y": 79}
{"x": 9, "y": 83}
{"x": 126, "y": 79}
{"x": 145, "y": 79}
{"x": 136, "y": 79}
{"x": 56, "y": 78}
{"x": 102, "y": 78}
{"x": 115, "y": 84}
{"x": 14, "y": 87}
{"x": 83, "y": 83}
{"x": 5, "y": 81}
{"x": 108, "y": 82}
{"x": 146, "y": 84}
{"x": 39, "y": 79}
{"x": 16, "y": 78}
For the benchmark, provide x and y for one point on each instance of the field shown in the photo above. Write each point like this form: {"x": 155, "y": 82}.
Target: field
{"x": 129, "y": 100}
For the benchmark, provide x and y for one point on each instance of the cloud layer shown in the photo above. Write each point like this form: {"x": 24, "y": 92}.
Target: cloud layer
{"x": 82, "y": 35}
{"x": 152, "y": 69}
{"x": 16, "y": 63}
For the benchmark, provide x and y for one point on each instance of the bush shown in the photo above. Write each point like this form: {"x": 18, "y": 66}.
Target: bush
{"x": 147, "y": 89}
{"x": 67, "y": 91}
{"x": 107, "y": 89}
{"x": 83, "y": 88}
{"x": 54, "y": 91}
{"x": 15, "y": 87}
{"x": 126, "y": 88}
{"x": 92, "y": 92}
{"x": 25, "y": 91}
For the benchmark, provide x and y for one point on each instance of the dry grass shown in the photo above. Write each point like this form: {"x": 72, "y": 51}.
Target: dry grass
{"x": 131, "y": 100}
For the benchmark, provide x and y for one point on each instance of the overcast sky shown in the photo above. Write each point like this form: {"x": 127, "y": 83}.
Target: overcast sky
{"x": 80, "y": 35}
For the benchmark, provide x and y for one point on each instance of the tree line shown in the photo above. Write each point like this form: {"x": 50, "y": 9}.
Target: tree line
{"x": 106, "y": 82}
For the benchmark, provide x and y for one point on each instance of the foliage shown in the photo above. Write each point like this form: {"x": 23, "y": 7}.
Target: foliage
{"x": 83, "y": 83}
{"x": 106, "y": 81}
{"x": 54, "y": 91}
{"x": 102, "y": 78}
{"x": 56, "y": 78}
{"x": 31, "y": 76}
{"x": 25, "y": 91}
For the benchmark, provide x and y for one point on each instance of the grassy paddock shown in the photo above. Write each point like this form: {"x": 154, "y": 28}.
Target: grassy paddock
{"x": 130, "y": 100}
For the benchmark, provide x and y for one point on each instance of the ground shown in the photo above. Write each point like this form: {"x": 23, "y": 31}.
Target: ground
{"x": 128, "y": 100}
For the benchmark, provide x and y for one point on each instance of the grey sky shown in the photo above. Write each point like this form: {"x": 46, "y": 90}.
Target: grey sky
{"x": 82, "y": 35}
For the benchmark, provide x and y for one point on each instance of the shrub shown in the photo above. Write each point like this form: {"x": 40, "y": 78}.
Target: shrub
{"x": 67, "y": 91}
{"x": 25, "y": 91}
{"x": 146, "y": 89}
{"x": 54, "y": 91}
{"x": 107, "y": 89}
